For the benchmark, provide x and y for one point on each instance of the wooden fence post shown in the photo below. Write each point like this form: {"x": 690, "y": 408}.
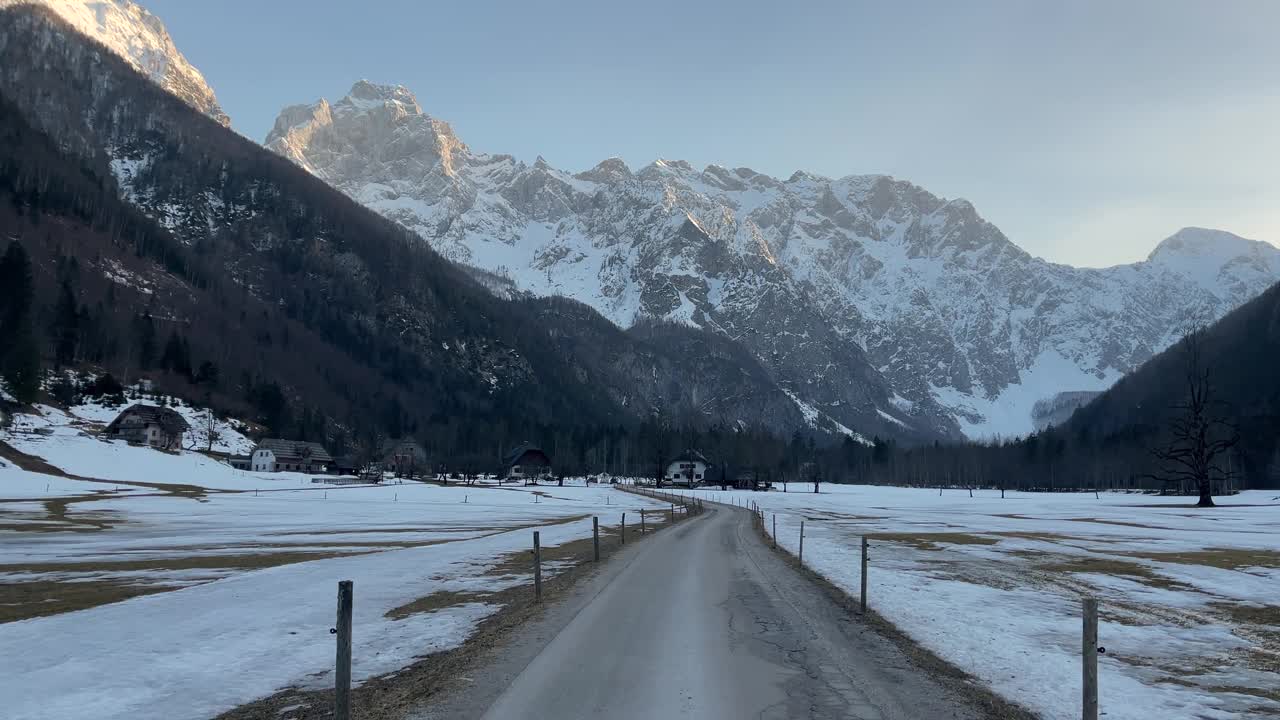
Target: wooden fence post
{"x": 1090, "y": 654}
{"x": 775, "y": 531}
{"x": 537, "y": 567}
{"x": 642, "y": 529}
{"x": 342, "y": 669}
{"x": 864, "y": 575}
{"x": 595, "y": 536}
{"x": 801, "y": 543}
{"x": 624, "y": 529}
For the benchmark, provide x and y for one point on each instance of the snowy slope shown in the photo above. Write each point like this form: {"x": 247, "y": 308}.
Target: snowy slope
{"x": 220, "y": 636}
{"x": 841, "y": 287}
{"x": 139, "y": 37}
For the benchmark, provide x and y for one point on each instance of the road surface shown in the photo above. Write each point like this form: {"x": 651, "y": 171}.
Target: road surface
{"x": 701, "y": 620}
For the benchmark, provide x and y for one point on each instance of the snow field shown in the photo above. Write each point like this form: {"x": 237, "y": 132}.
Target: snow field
{"x": 199, "y": 650}
{"x": 243, "y": 608}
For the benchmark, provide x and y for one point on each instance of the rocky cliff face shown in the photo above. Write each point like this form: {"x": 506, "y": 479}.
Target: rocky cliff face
{"x": 286, "y": 281}
{"x": 140, "y": 38}
{"x": 873, "y": 303}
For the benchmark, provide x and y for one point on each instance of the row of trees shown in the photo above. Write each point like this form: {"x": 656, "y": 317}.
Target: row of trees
{"x": 1195, "y": 452}
{"x": 19, "y": 350}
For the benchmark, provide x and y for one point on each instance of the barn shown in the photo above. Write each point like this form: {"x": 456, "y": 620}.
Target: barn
{"x": 158, "y": 427}
{"x": 526, "y": 462}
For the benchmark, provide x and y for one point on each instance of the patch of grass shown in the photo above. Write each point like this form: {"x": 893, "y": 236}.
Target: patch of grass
{"x": 934, "y": 541}
{"x": 1222, "y": 558}
{"x": 251, "y": 561}
{"x": 1266, "y": 694}
{"x": 428, "y": 529}
{"x": 1101, "y": 565}
{"x": 1266, "y": 615}
{"x": 1113, "y": 566}
{"x": 437, "y": 601}
{"x": 1121, "y": 523}
{"x": 1041, "y": 536}
{"x": 23, "y": 600}
{"x": 56, "y": 510}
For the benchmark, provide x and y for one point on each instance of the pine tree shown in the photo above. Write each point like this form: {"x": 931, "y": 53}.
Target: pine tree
{"x": 19, "y": 354}
{"x": 66, "y": 326}
{"x": 144, "y": 331}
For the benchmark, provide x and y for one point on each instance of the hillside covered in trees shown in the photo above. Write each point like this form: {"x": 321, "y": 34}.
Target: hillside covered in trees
{"x": 159, "y": 243}
{"x": 1113, "y": 441}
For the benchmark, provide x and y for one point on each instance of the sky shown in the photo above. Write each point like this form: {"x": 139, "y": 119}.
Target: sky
{"x": 1087, "y": 131}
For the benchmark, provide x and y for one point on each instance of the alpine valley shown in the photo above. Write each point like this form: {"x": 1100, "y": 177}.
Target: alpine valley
{"x": 862, "y": 305}
{"x": 872, "y": 303}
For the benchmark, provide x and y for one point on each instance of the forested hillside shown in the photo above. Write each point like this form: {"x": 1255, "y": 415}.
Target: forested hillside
{"x": 1112, "y": 441}
{"x": 1242, "y": 357}
{"x": 193, "y": 255}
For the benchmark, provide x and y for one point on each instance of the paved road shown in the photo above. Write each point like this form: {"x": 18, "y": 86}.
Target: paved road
{"x": 700, "y": 621}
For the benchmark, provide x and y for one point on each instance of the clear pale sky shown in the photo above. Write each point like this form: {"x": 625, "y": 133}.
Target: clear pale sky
{"x": 1086, "y": 130}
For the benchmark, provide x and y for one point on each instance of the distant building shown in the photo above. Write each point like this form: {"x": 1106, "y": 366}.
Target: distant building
{"x": 526, "y": 462}
{"x": 688, "y": 469}
{"x": 751, "y": 479}
{"x": 157, "y": 427}
{"x": 276, "y": 455}
{"x": 405, "y": 458}
{"x": 348, "y": 464}
{"x": 239, "y": 462}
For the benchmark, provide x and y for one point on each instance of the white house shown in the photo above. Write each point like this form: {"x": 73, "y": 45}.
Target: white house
{"x": 688, "y": 469}
{"x": 276, "y": 455}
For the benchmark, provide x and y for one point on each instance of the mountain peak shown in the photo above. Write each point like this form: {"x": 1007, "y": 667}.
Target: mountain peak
{"x": 612, "y": 169}
{"x": 679, "y": 165}
{"x": 1206, "y": 244}
{"x": 139, "y": 37}
{"x": 365, "y": 95}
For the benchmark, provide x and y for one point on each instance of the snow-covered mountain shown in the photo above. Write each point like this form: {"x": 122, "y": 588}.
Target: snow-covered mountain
{"x": 139, "y": 37}
{"x": 854, "y": 292}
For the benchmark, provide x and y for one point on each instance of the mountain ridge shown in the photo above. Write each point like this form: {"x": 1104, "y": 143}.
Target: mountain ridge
{"x": 139, "y": 37}
{"x": 383, "y": 326}
{"x": 947, "y": 323}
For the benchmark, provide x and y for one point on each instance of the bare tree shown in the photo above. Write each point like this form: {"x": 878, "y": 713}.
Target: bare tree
{"x": 210, "y": 429}
{"x": 1199, "y": 435}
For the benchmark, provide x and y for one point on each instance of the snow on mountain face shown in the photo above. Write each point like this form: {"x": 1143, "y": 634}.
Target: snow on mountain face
{"x": 139, "y": 37}
{"x": 865, "y": 296}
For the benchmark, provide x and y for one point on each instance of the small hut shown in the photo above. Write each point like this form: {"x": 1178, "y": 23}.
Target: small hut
{"x": 526, "y": 462}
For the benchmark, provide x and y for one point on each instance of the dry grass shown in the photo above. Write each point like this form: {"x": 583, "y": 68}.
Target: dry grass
{"x": 934, "y": 541}
{"x": 1042, "y": 536}
{"x": 23, "y": 600}
{"x": 438, "y": 601}
{"x": 1222, "y": 558}
{"x": 1121, "y": 523}
{"x": 248, "y": 561}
